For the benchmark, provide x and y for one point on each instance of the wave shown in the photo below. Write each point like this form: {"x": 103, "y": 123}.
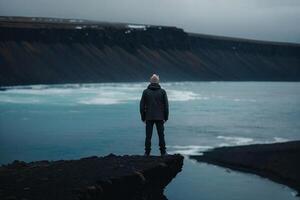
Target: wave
{"x": 188, "y": 149}
{"x": 280, "y": 139}
{"x": 245, "y": 100}
{"x": 89, "y": 94}
{"x": 13, "y": 100}
{"x": 180, "y": 95}
{"x": 236, "y": 140}
{"x": 100, "y": 101}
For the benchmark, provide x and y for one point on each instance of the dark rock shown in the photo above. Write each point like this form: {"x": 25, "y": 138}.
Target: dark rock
{"x": 16, "y": 164}
{"x": 42, "y": 52}
{"x": 279, "y": 161}
{"x": 90, "y": 178}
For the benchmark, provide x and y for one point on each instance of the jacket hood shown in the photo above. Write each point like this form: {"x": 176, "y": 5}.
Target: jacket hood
{"x": 154, "y": 86}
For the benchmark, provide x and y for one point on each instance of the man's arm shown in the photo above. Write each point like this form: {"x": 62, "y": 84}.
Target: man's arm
{"x": 142, "y": 107}
{"x": 166, "y": 106}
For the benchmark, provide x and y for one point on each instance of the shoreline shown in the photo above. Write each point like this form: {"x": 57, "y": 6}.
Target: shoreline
{"x": 279, "y": 162}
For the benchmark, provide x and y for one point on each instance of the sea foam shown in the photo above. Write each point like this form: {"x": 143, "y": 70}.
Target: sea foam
{"x": 188, "y": 149}
{"x": 88, "y": 94}
{"x": 236, "y": 140}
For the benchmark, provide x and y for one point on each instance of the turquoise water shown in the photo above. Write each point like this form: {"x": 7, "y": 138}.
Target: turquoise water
{"x": 75, "y": 120}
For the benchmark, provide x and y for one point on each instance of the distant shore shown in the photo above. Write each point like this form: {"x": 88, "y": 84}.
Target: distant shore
{"x": 59, "y": 51}
{"x": 279, "y": 162}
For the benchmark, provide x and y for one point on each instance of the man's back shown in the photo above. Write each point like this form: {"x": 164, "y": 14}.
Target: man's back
{"x": 154, "y": 103}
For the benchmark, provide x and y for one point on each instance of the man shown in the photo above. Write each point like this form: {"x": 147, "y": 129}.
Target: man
{"x": 154, "y": 109}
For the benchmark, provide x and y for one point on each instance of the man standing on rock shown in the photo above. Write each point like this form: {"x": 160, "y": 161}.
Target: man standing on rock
{"x": 154, "y": 109}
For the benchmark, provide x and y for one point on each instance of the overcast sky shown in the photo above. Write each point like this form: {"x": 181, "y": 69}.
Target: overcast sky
{"x": 276, "y": 20}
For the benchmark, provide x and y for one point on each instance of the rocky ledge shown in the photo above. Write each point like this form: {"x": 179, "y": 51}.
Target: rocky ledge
{"x": 279, "y": 162}
{"x": 110, "y": 177}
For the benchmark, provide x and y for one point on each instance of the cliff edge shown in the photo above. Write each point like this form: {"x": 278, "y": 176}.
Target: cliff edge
{"x": 110, "y": 177}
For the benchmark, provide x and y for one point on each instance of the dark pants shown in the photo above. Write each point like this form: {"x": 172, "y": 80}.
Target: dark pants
{"x": 160, "y": 131}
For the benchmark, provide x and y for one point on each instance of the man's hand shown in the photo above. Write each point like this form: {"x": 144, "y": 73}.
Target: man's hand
{"x": 165, "y": 121}
{"x": 144, "y": 121}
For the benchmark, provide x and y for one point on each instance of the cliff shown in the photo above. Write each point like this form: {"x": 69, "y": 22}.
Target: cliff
{"x": 110, "y": 177}
{"x": 47, "y": 51}
{"x": 278, "y": 162}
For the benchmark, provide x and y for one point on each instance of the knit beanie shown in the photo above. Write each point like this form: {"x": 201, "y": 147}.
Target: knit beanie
{"x": 154, "y": 79}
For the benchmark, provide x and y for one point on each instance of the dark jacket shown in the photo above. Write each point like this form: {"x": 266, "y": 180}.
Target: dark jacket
{"x": 154, "y": 103}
